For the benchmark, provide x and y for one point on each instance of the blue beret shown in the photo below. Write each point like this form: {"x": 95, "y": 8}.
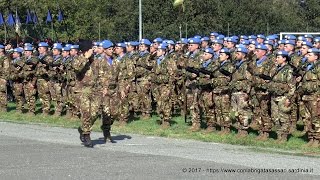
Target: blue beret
{"x": 313, "y": 50}
{"x": 271, "y": 37}
{"x": 163, "y": 46}
{"x": 316, "y": 39}
{"x": 276, "y": 36}
{"x": 145, "y": 42}
{"x": 133, "y": 43}
{"x": 218, "y": 41}
{"x": 66, "y": 48}
{"x": 28, "y": 48}
{"x": 245, "y": 42}
{"x": 197, "y": 36}
{"x": 75, "y": 46}
{"x": 68, "y": 45}
{"x": 184, "y": 40}
{"x": 268, "y": 43}
{"x": 194, "y": 41}
{"x": 225, "y": 50}
{"x": 205, "y": 39}
{"x": 27, "y": 44}
{"x": 240, "y": 45}
{"x": 43, "y": 44}
{"x": 96, "y": 43}
{"x": 307, "y": 43}
{"x": 209, "y": 50}
{"x": 221, "y": 37}
{"x": 254, "y": 42}
{"x": 157, "y": 40}
{"x": 123, "y": 45}
{"x": 18, "y": 50}
{"x": 252, "y": 37}
{"x": 244, "y": 37}
{"x": 290, "y": 37}
{"x": 262, "y": 47}
{"x": 170, "y": 42}
{"x": 232, "y": 39}
{"x": 301, "y": 38}
{"x": 57, "y": 46}
{"x": 284, "y": 53}
{"x": 242, "y": 49}
{"x": 308, "y": 36}
{"x": 290, "y": 42}
{"x": 214, "y": 34}
{"x": 2, "y": 46}
{"x": 282, "y": 41}
{"x": 235, "y": 37}
{"x": 105, "y": 44}
{"x": 261, "y": 36}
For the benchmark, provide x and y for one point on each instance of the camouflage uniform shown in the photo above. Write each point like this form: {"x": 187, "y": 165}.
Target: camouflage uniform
{"x": 192, "y": 91}
{"x": 240, "y": 87}
{"x": 180, "y": 87}
{"x": 125, "y": 80}
{"x": 206, "y": 95}
{"x": 164, "y": 73}
{"x": 29, "y": 70}
{"x": 17, "y": 79}
{"x": 221, "y": 96}
{"x": 282, "y": 88}
{"x": 69, "y": 87}
{"x": 56, "y": 71}
{"x": 143, "y": 71}
{"x": 309, "y": 88}
{"x": 4, "y": 75}
{"x": 260, "y": 96}
{"x": 43, "y": 81}
{"x": 133, "y": 95}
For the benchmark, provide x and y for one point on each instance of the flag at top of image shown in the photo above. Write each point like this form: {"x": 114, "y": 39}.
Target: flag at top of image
{"x": 10, "y": 20}
{"x": 18, "y": 23}
{"x": 34, "y": 18}
{"x": 49, "y": 17}
{"x": 28, "y": 17}
{"x": 1, "y": 19}
{"x": 60, "y": 16}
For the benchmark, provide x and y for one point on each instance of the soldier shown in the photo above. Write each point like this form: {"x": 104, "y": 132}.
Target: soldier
{"x": 205, "y": 43}
{"x": 260, "y": 69}
{"x": 206, "y": 95}
{"x": 164, "y": 73}
{"x": 309, "y": 88}
{"x": 42, "y": 76}
{"x": 240, "y": 88}
{"x": 216, "y": 47}
{"x": 260, "y": 39}
{"x": 17, "y": 77}
{"x": 221, "y": 92}
{"x": 143, "y": 71}
{"x": 56, "y": 72}
{"x": 4, "y": 76}
{"x": 316, "y": 43}
{"x": 282, "y": 88}
{"x": 125, "y": 78}
{"x": 30, "y": 80}
{"x": 95, "y": 89}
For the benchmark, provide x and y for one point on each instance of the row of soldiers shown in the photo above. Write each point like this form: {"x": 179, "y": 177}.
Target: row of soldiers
{"x": 210, "y": 77}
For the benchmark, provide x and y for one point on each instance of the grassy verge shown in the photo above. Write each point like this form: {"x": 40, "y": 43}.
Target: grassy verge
{"x": 179, "y": 129}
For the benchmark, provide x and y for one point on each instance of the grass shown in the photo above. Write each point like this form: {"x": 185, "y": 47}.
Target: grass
{"x": 179, "y": 129}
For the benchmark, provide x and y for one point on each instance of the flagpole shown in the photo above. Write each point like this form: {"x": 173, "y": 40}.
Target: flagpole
{"x": 5, "y": 33}
{"x": 52, "y": 30}
{"x": 140, "y": 19}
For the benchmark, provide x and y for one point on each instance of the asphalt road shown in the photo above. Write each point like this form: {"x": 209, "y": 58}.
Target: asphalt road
{"x": 41, "y": 152}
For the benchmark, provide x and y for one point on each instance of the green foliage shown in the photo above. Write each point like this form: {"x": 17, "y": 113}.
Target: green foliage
{"x": 118, "y": 20}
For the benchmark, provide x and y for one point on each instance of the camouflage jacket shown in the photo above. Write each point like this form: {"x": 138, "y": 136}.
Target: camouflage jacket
{"x": 144, "y": 65}
{"x": 283, "y": 82}
{"x": 29, "y": 69}
{"x": 16, "y": 73}
{"x": 164, "y": 70}
{"x": 310, "y": 82}
{"x": 126, "y": 69}
{"x": 241, "y": 78}
{"x": 4, "y": 67}
{"x": 204, "y": 80}
{"x": 259, "y": 69}
{"x": 222, "y": 77}
{"x": 56, "y": 69}
{"x": 42, "y": 69}
{"x": 194, "y": 60}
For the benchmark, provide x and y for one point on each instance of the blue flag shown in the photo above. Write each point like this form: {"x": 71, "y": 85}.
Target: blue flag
{"x": 1, "y": 19}
{"x": 10, "y": 21}
{"x": 28, "y": 18}
{"x": 35, "y": 18}
{"x": 60, "y": 16}
{"x": 49, "y": 17}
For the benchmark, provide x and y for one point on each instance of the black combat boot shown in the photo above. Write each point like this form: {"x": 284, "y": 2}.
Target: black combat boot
{"x": 87, "y": 141}
{"x": 81, "y": 135}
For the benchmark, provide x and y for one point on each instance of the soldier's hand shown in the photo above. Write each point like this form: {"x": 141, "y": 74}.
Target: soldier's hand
{"x": 88, "y": 54}
{"x": 298, "y": 79}
{"x": 287, "y": 103}
{"x": 193, "y": 75}
{"x": 104, "y": 92}
{"x": 122, "y": 94}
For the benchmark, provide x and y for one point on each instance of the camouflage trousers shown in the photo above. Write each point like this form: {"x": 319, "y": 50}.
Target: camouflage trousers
{"x": 44, "y": 94}
{"x": 207, "y": 104}
{"x": 123, "y": 101}
{"x": 144, "y": 93}
{"x": 312, "y": 105}
{"x": 56, "y": 95}
{"x": 261, "y": 103}
{"x": 18, "y": 94}
{"x": 222, "y": 108}
{"x": 164, "y": 106}
{"x": 30, "y": 91}
{"x": 93, "y": 105}
{"x": 3, "y": 94}
{"x": 281, "y": 113}
{"x": 242, "y": 110}
{"x": 133, "y": 98}
{"x": 193, "y": 103}
{"x": 70, "y": 97}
